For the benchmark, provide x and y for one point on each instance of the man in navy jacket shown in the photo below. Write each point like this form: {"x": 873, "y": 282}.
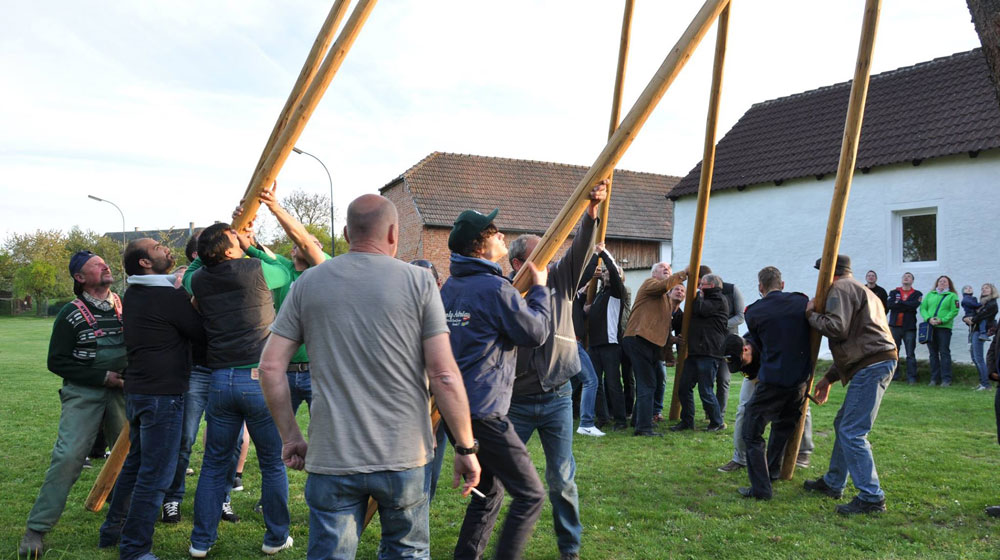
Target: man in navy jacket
{"x": 488, "y": 319}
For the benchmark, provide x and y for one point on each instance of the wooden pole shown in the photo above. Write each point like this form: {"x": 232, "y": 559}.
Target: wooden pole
{"x": 109, "y": 472}
{"x": 616, "y": 109}
{"x": 319, "y": 49}
{"x": 704, "y": 193}
{"x": 838, "y": 207}
{"x": 297, "y": 122}
{"x": 621, "y": 139}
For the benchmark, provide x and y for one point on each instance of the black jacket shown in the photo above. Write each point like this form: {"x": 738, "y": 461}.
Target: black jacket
{"x": 903, "y": 313}
{"x": 613, "y": 293}
{"x": 987, "y": 312}
{"x": 162, "y": 325}
{"x": 708, "y": 330}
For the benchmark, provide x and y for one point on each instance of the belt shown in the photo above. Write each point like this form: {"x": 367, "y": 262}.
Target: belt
{"x": 299, "y": 367}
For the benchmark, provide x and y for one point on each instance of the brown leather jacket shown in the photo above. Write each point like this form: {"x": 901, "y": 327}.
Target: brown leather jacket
{"x": 652, "y": 311}
{"x": 855, "y": 325}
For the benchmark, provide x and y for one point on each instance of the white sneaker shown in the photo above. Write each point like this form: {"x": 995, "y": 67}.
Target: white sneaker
{"x": 276, "y": 549}
{"x": 591, "y": 431}
{"x": 195, "y": 553}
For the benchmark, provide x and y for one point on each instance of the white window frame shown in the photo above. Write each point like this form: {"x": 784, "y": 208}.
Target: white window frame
{"x": 898, "y": 213}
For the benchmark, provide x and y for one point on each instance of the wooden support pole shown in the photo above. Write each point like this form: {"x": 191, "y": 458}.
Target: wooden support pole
{"x": 109, "y": 472}
{"x": 605, "y": 163}
{"x": 616, "y": 109}
{"x": 838, "y": 207}
{"x": 704, "y": 193}
{"x": 319, "y": 49}
{"x": 297, "y": 122}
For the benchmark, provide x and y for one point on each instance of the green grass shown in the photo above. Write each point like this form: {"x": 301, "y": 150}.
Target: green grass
{"x": 935, "y": 448}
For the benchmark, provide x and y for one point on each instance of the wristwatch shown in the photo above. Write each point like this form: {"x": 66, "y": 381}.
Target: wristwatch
{"x": 468, "y": 450}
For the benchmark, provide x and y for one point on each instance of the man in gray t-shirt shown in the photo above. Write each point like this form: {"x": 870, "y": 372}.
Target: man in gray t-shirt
{"x": 372, "y": 325}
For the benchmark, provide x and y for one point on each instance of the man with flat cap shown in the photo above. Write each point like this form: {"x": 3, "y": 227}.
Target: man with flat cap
{"x": 87, "y": 350}
{"x": 488, "y": 319}
{"x": 864, "y": 358}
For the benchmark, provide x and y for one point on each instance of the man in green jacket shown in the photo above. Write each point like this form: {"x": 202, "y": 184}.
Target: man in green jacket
{"x": 87, "y": 350}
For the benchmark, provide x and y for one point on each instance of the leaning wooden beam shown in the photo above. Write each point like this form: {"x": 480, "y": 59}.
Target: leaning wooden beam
{"x": 297, "y": 122}
{"x": 704, "y": 193}
{"x": 838, "y": 207}
{"x": 622, "y": 138}
{"x": 109, "y": 472}
{"x": 319, "y": 49}
{"x": 616, "y": 109}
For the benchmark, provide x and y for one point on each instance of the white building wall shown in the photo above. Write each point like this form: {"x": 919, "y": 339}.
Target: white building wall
{"x": 784, "y": 226}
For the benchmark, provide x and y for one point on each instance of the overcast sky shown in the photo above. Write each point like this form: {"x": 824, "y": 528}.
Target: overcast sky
{"x": 164, "y": 107}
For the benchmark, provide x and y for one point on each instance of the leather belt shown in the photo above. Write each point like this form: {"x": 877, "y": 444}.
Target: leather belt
{"x": 298, "y": 368}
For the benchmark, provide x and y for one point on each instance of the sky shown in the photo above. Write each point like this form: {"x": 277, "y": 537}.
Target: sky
{"x": 164, "y": 107}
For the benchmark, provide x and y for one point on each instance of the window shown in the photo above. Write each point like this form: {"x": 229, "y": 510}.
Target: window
{"x": 917, "y": 235}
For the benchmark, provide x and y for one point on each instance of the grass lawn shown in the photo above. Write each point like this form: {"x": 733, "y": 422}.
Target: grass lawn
{"x": 935, "y": 449}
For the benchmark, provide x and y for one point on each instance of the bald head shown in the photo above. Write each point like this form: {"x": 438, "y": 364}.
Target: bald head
{"x": 372, "y": 219}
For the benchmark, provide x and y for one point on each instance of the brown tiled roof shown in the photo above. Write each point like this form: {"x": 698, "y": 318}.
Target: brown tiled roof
{"x": 942, "y": 107}
{"x": 531, "y": 193}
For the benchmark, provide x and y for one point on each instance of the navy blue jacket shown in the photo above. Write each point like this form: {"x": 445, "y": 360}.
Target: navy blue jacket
{"x": 488, "y": 319}
{"x": 779, "y": 329}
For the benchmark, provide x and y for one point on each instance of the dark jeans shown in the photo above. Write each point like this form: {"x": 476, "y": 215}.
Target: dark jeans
{"x": 155, "y": 436}
{"x": 909, "y": 340}
{"x": 645, "y": 358}
{"x": 610, "y": 402}
{"x": 549, "y": 415}
{"x": 939, "y": 348}
{"x": 505, "y": 463}
{"x": 782, "y": 408}
{"x": 300, "y": 386}
{"x": 701, "y": 370}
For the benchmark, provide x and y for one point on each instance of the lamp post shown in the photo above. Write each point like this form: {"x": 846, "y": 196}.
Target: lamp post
{"x": 119, "y": 211}
{"x": 333, "y": 234}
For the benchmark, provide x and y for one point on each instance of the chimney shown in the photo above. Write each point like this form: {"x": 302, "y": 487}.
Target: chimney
{"x": 190, "y": 228}
{"x": 136, "y": 228}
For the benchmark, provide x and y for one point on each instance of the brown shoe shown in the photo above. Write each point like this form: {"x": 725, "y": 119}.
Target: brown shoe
{"x": 31, "y": 544}
{"x": 731, "y": 466}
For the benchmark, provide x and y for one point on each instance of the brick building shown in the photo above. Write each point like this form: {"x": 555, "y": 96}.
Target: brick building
{"x": 529, "y": 194}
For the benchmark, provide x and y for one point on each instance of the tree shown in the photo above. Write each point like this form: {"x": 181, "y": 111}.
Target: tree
{"x": 310, "y": 209}
{"x": 986, "y": 17}
{"x": 313, "y": 211}
{"x": 40, "y": 279}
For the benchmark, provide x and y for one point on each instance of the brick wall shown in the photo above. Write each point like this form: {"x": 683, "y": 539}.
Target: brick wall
{"x": 410, "y": 225}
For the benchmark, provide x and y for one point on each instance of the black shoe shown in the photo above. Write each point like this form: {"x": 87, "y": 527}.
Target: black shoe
{"x": 171, "y": 512}
{"x": 228, "y": 514}
{"x": 716, "y": 427}
{"x": 619, "y": 426}
{"x": 857, "y": 505}
{"x": 993, "y": 511}
{"x": 31, "y": 545}
{"x": 108, "y": 540}
{"x": 681, "y": 427}
{"x": 747, "y": 492}
{"x": 648, "y": 434}
{"x": 819, "y": 485}
{"x": 87, "y": 464}
{"x": 569, "y": 556}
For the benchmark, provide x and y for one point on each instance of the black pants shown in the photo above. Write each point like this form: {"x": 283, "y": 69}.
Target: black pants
{"x": 610, "y": 403}
{"x": 781, "y": 407}
{"x": 628, "y": 382}
{"x": 645, "y": 358}
{"x": 505, "y": 463}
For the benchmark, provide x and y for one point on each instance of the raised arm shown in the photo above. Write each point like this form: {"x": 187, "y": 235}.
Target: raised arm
{"x": 294, "y": 229}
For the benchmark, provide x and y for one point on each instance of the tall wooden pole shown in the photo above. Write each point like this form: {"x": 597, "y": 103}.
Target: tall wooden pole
{"x": 704, "y": 193}
{"x": 838, "y": 207}
{"x": 616, "y": 109}
{"x": 319, "y": 49}
{"x": 297, "y": 122}
{"x": 621, "y": 139}
{"x": 109, "y": 472}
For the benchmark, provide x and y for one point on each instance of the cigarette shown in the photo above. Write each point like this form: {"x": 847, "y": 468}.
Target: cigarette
{"x": 478, "y": 493}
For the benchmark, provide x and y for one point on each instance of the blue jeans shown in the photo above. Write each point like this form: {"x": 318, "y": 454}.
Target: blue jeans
{"x": 852, "y": 454}
{"x": 939, "y": 348}
{"x": 552, "y": 415}
{"x": 435, "y": 465}
{"x": 976, "y": 351}
{"x": 300, "y": 386}
{"x": 909, "y": 339}
{"x": 701, "y": 370}
{"x": 236, "y": 398}
{"x": 337, "y": 506}
{"x": 195, "y": 401}
{"x": 154, "y": 435}
{"x": 588, "y": 394}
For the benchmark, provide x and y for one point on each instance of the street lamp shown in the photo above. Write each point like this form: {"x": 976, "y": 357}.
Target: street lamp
{"x": 119, "y": 211}
{"x": 333, "y": 234}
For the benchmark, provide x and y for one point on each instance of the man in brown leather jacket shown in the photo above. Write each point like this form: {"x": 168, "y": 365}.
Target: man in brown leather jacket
{"x": 864, "y": 356}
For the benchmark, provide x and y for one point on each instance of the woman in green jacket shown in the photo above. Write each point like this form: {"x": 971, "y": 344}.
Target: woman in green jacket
{"x": 939, "y": 308}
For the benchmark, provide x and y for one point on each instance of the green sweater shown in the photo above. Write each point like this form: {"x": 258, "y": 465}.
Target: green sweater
{"x": 947, "y": 312}
{"x": 279, "y": 294}
{"x": 77, "y": 356}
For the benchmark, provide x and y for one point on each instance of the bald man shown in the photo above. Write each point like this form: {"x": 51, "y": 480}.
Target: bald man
{"x": 369, "y": 344}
